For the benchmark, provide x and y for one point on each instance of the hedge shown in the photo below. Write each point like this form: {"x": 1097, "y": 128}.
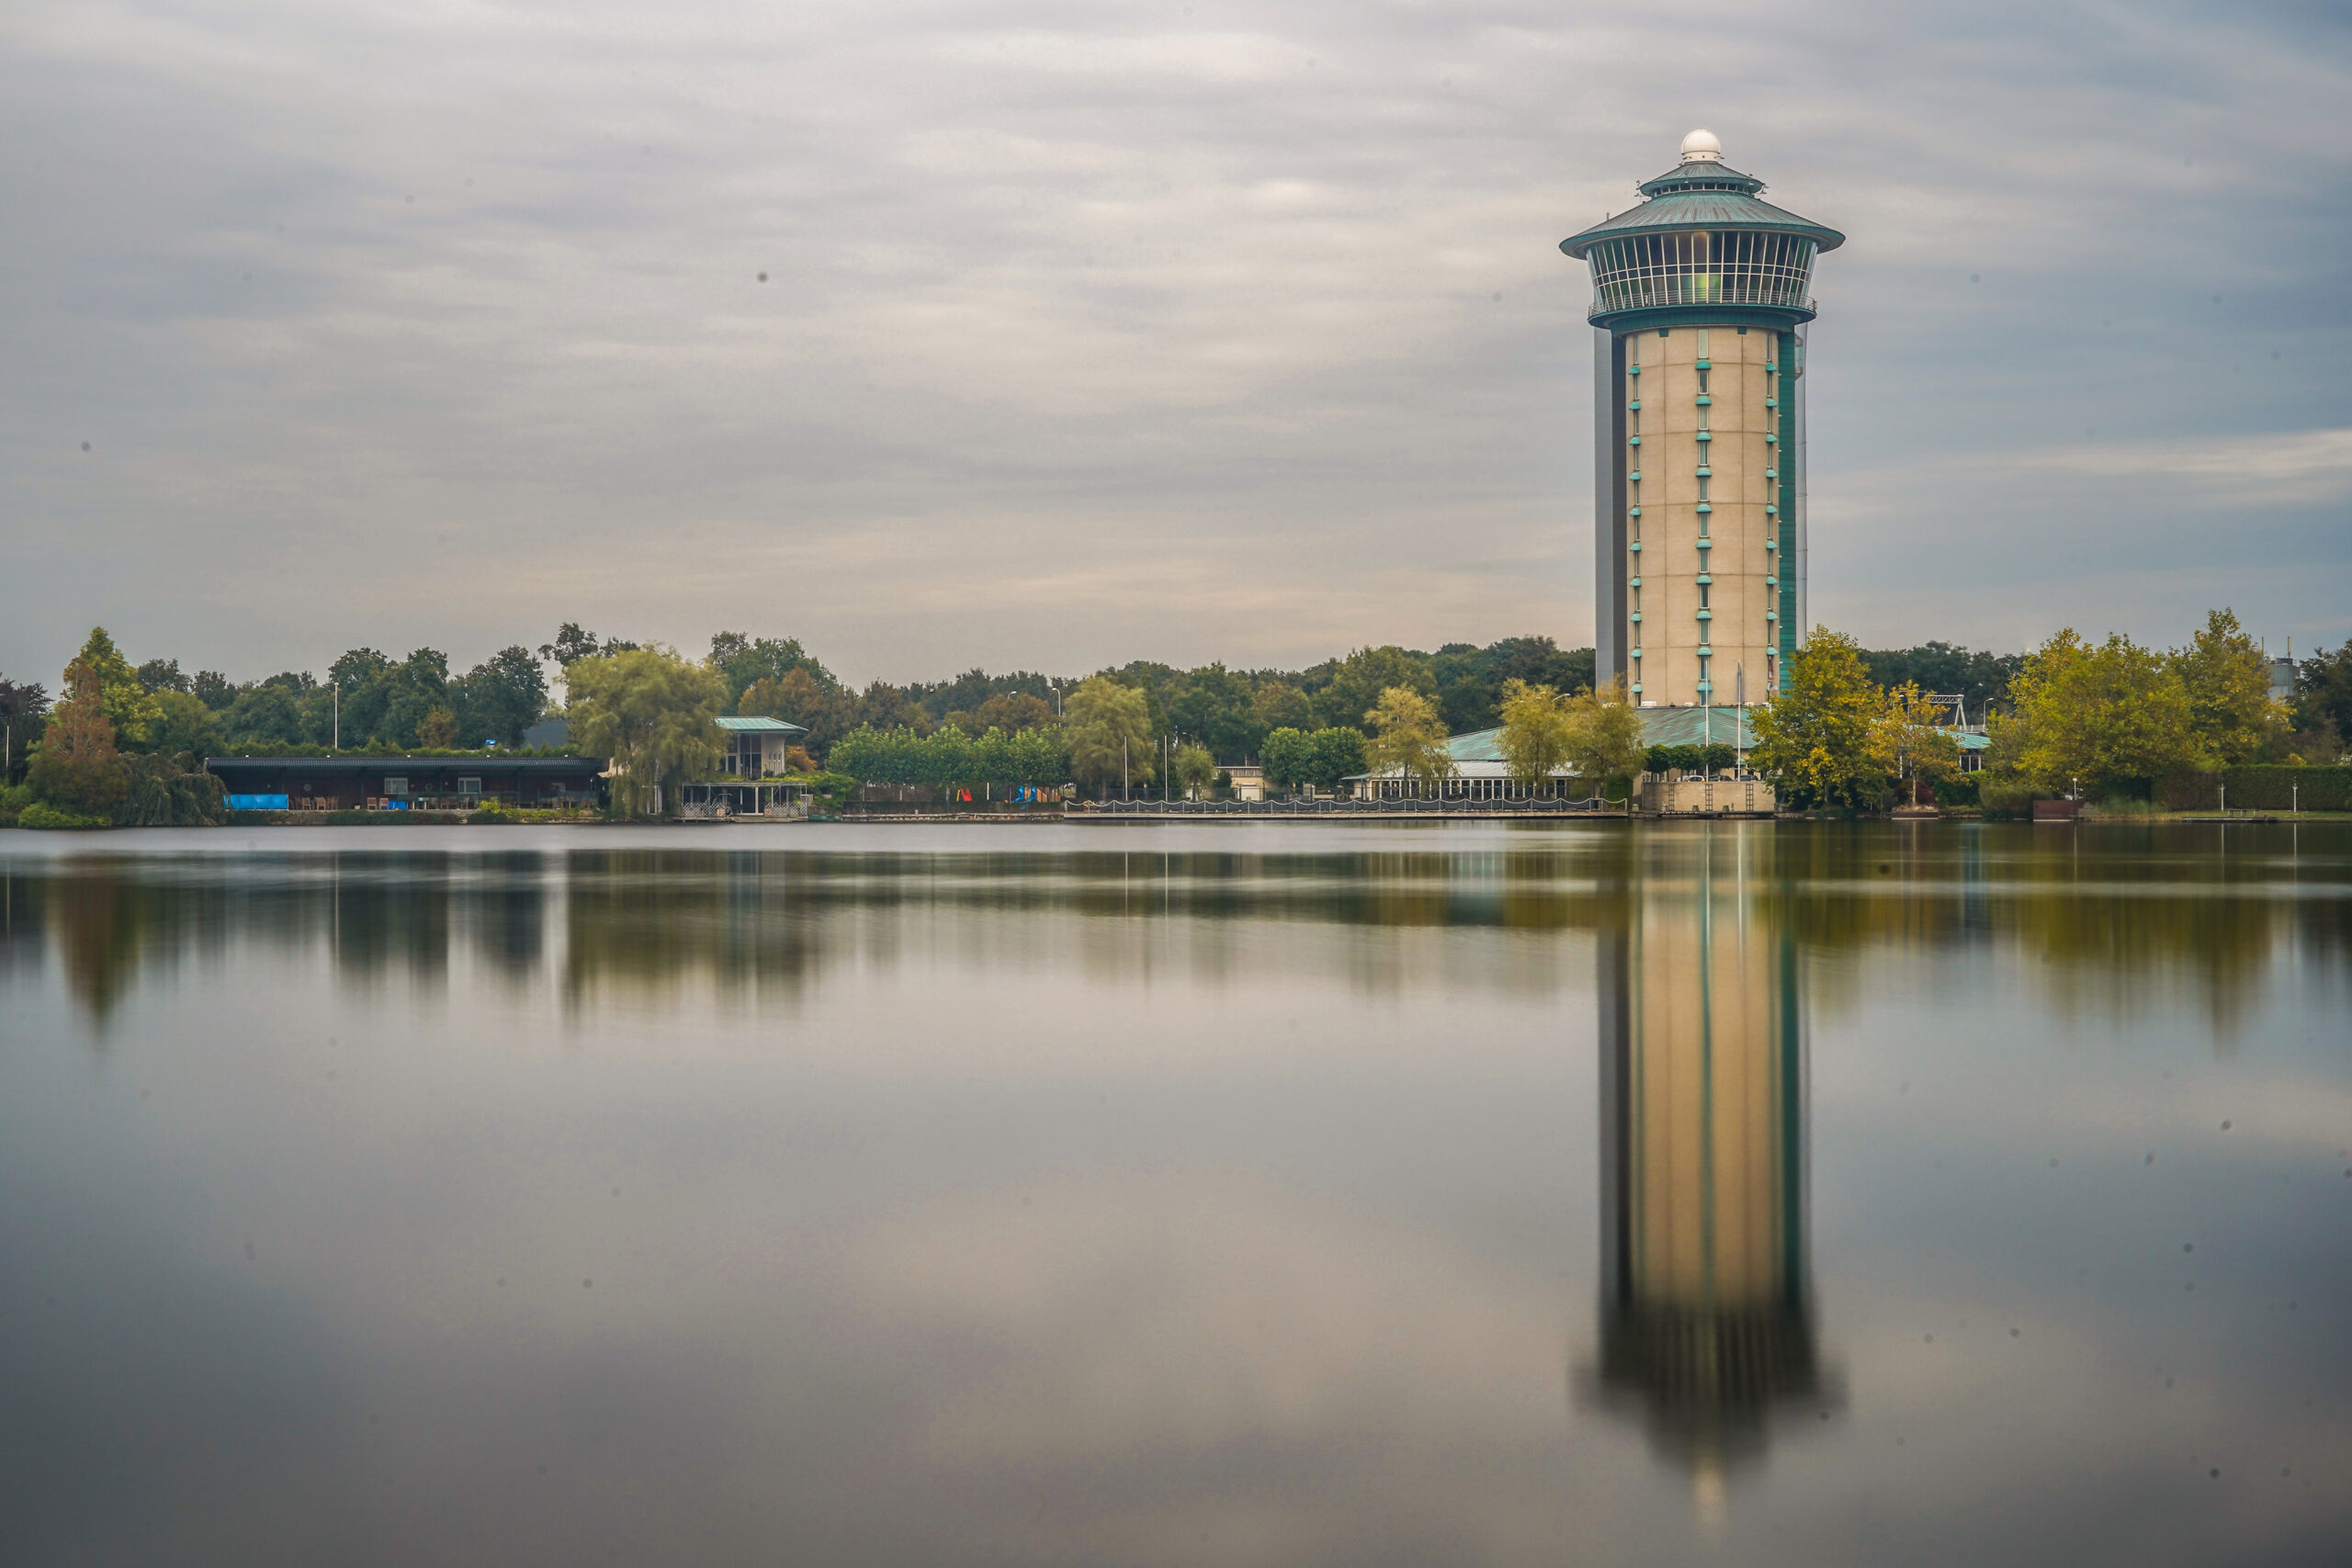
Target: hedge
{"x": 2267, "y": 788}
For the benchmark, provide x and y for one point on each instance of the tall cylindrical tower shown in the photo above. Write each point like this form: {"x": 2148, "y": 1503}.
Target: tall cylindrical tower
{"x": 1700, "y": 301}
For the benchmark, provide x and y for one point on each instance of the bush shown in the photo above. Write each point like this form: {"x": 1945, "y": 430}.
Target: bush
{"x": 2003, "y": 799}
{"x": 1959, "y": 789}
{"x": 2259, "y": 788}
{"x": 41, "y": 814}
{"x": 171, "y": 792}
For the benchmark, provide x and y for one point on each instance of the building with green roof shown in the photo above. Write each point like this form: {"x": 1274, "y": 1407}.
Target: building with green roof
{"x": 1700, "y": 297}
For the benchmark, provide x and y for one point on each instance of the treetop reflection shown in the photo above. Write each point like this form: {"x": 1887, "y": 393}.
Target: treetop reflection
{"x": 2116, "y": 919}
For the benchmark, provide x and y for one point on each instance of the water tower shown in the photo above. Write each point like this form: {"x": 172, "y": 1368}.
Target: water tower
{"x": 1700, "y": 302}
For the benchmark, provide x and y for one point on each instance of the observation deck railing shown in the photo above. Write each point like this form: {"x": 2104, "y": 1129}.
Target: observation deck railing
{"x": 1699, "y": 288}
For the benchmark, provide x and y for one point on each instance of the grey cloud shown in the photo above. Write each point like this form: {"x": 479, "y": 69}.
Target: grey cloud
{"x": 1096, "y": 333}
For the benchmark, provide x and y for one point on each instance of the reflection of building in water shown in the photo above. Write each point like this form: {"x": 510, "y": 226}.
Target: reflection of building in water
{"x": 1706, "y": 1320}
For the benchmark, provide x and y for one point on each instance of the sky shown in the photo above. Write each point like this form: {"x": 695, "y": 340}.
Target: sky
{"x": 1052, "y": 335}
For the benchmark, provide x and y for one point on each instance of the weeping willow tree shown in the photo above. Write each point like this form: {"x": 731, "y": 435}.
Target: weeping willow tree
{"x": 653, "y": 713}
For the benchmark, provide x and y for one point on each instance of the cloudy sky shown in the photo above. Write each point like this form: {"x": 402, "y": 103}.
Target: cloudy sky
{"x": 1053, "y": 334}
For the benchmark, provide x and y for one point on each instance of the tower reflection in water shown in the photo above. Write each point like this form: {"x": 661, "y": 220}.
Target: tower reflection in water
{"x": 1706, "y": 1315}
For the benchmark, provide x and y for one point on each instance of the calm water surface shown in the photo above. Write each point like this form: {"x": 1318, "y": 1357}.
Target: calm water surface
{"x": 1249, "y": 1193}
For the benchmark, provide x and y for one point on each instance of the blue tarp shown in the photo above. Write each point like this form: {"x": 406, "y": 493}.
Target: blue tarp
{"x": 258, "y": 802}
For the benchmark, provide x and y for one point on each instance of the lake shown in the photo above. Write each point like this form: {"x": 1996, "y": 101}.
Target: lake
{"x": 1183, "y": 1193}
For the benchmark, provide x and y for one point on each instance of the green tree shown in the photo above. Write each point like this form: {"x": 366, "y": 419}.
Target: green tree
{"x": 1013, "y": 712}
{"x": 413, "y": 689}
{"x": 1471, "y": 681}
{"x": 1819, "y": 741}
{"x": 1193, "y": 769}
{"x": 2232, "y": 713}
{"x": 437, "y": 730}
{"x": 1604, "y": 735}
{"x": 1535, "y": 737}
{"x": 78, "y": 767}
{"x": 161, "y": 675}
{"x": 744, "y": 662}
{"x": 267, "y": 714}
{"x": 1358, "y": 684}
{"x": 500, "y": 698}
{"x": 212, "y": 689}
{"x": 1216, "y": 708}
{"x": 24, "y": 712}
{"x": 1107, "y": 727}
{"x": 1945, "y": 669}
{"x": 2323, "y": 694}
{"x": 1289, "y": 757}
{"x": 571, "y": 645}
{"x": 653, "y": 713}
{"x": 2106, "y": 714}
{"x": 1337, "y": 753}
{"x": 183, "y": 724}
{"x": 129, "y": 707}
{"x": 1278, "y": 704}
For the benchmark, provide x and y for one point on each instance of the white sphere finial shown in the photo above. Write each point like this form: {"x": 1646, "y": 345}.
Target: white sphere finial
{"x": 1701, "y": 147}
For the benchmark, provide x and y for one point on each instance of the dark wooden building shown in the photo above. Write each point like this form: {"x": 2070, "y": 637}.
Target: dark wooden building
{"x": 400, "y": 783}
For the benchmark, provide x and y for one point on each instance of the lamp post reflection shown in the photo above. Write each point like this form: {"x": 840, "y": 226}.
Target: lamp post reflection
{"x": 1706, "y": 1320}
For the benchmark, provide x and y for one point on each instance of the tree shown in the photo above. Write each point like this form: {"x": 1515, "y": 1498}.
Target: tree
{"x": 1535, "y": 739}
{"x": 653, "y": 713}
{"x": 1358, "y": 684}
{"x": 129, "y": 707}
{"x": 1278, "y": 704}
{"x": 437, "y": 730}
{"x": 24, "y": 712}
{"x": 267, "y": 714}
{"x": 1013, "y": 712}
{"x": 500, "y": 698}
{"x": 2323, "y": 694}
{"x": 1289, "y": 757}
{"x": 744, "y": 662}
{"x": 185, "y": 724}
{"x": 78, "y": 767}
{"x": 1945, "y": 669}
{"x": 1919, "y": 749}
{"x": 1215, "y": 706}
{"x": 1409, "y": 735}
{"x": 2104, "y": 713}
{"x": 1471, "y": 681}
{"x": 571, "y": 645}
{"x": 1336, "y": 754}
{"x": 161, "y": 675}
{"x": 1604, "y": 735}
{"x": 1819, "y": 741}
{"x": 885, "y": 707}
{"x": 212, "y": 689}
{"x": 1194, "y": 768}
{"x": 2232, "y": 713}
{"x": 1107, "y": 727}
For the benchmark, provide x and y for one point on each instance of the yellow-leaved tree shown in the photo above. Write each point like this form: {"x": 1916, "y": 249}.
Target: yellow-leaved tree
{"x": 1407, "y": 735}
{"x": 1604, "y": 736}
{"x": 2100, "y": 713}
{"x": 2231, "y": 710}
{"x": 1822, "y": 741}
{"x": 654, "y": 713}
{"x": 1107, "y": 729}
{"x": 1534, "y": 735}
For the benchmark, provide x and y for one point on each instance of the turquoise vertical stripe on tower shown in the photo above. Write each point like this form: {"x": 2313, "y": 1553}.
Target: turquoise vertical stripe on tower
{"x": 1785, "y": 461}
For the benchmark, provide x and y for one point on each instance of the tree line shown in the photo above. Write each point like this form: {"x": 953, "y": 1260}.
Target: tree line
{"x": 2102, "y": 719}
{"x": 1854, "y": 726}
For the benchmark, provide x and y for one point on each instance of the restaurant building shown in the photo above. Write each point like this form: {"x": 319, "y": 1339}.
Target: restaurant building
{"x": 403, "y": 784}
